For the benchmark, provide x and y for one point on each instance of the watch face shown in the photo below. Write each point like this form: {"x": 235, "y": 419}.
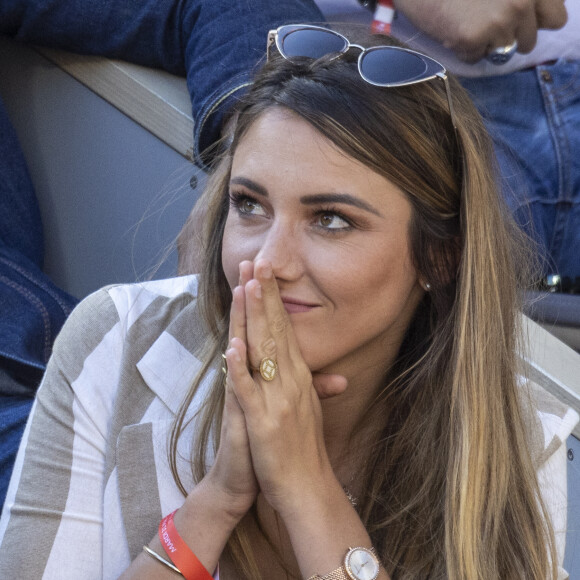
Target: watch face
{"x": 362, "y": 564}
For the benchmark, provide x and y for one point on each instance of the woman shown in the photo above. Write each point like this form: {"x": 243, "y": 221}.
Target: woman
{"x": 360, "y": 282}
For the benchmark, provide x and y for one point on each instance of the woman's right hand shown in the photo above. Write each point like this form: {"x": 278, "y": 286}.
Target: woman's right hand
{"x": 215, "y": 506}
{"x": 232, "y": 472}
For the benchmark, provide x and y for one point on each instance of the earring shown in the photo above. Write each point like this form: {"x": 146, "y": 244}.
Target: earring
{"x": 426, "y": 286}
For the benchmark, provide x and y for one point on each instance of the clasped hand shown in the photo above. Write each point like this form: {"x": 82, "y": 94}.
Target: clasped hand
{"x": 271, "y": 438}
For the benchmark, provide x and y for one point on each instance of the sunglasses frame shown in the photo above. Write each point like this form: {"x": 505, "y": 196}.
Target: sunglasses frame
{"x": 434, "y": 68}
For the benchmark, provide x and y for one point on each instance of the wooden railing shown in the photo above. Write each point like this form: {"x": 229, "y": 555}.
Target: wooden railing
{"x": 155, "y": 99}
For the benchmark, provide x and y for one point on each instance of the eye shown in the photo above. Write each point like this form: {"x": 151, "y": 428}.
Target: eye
{"x": 246, "y": 205}
{"x": 333, "y": 221}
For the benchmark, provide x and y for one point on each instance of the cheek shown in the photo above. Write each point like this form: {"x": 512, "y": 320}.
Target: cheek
{"x": 375, "y": 282}
{"x": 372, "y": 266}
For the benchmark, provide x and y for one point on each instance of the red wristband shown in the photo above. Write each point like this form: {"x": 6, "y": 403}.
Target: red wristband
{"x": 179, "y": 553}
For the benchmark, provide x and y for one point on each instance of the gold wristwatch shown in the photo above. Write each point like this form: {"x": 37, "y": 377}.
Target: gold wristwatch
{"x": 359, "y": 564}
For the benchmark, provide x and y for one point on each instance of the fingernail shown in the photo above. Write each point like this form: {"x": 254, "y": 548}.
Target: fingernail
{"x": 234, "y": 354}
{"x": 258, "y": 291}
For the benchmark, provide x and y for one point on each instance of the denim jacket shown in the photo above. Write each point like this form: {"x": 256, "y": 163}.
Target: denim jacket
{"x": 184, "y": 37}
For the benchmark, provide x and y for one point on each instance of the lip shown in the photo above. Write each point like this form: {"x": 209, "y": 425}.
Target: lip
{"x": 295, "y": 306}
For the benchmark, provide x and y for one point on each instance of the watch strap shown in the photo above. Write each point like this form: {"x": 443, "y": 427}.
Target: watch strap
{"x": 340, "y": 573}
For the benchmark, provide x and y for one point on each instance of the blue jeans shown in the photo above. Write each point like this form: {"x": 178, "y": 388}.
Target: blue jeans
{"x": 14, "y": 412}
{"x": 534, "y": 118}
{"x": 32, "y": 308}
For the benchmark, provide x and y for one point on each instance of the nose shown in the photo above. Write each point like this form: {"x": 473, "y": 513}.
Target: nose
{"x": 282, "y": 248}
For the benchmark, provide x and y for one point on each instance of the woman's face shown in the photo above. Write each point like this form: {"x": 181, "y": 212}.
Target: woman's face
{"x": 336, "y": 234}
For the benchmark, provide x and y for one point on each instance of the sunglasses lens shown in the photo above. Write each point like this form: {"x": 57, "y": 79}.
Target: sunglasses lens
{"x": 310, "y": 43}
{"x": 390, "y": 66}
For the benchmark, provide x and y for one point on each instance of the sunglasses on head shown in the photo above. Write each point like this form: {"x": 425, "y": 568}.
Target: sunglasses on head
{"x": 382, "y": 66}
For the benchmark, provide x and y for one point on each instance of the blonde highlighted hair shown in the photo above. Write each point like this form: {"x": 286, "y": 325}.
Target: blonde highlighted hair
{"x": 451, "y": 489}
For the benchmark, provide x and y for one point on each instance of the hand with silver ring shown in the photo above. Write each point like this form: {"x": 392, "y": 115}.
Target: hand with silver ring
{"x": 474, "y": 28}
{"x": 502, "y": 54}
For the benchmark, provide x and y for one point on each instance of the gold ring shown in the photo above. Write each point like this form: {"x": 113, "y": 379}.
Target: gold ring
{"x": 224, "y": 365}
{"x": 268, "y": 369}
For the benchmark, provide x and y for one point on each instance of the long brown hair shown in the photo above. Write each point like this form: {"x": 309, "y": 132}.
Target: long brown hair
{"x": 451, "y": 490}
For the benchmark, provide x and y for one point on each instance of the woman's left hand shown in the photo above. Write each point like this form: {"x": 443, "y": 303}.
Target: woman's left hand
{"x": 283, "y": 416}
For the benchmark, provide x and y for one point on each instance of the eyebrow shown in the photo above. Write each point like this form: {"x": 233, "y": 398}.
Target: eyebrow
{"x": 250, "y": 184}
{"x": 314, "y": 199}
{"x": 345, "y": 198}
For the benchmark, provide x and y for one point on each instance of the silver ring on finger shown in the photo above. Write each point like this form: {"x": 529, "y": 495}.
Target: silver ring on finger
{"x": 502, "y": 54}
